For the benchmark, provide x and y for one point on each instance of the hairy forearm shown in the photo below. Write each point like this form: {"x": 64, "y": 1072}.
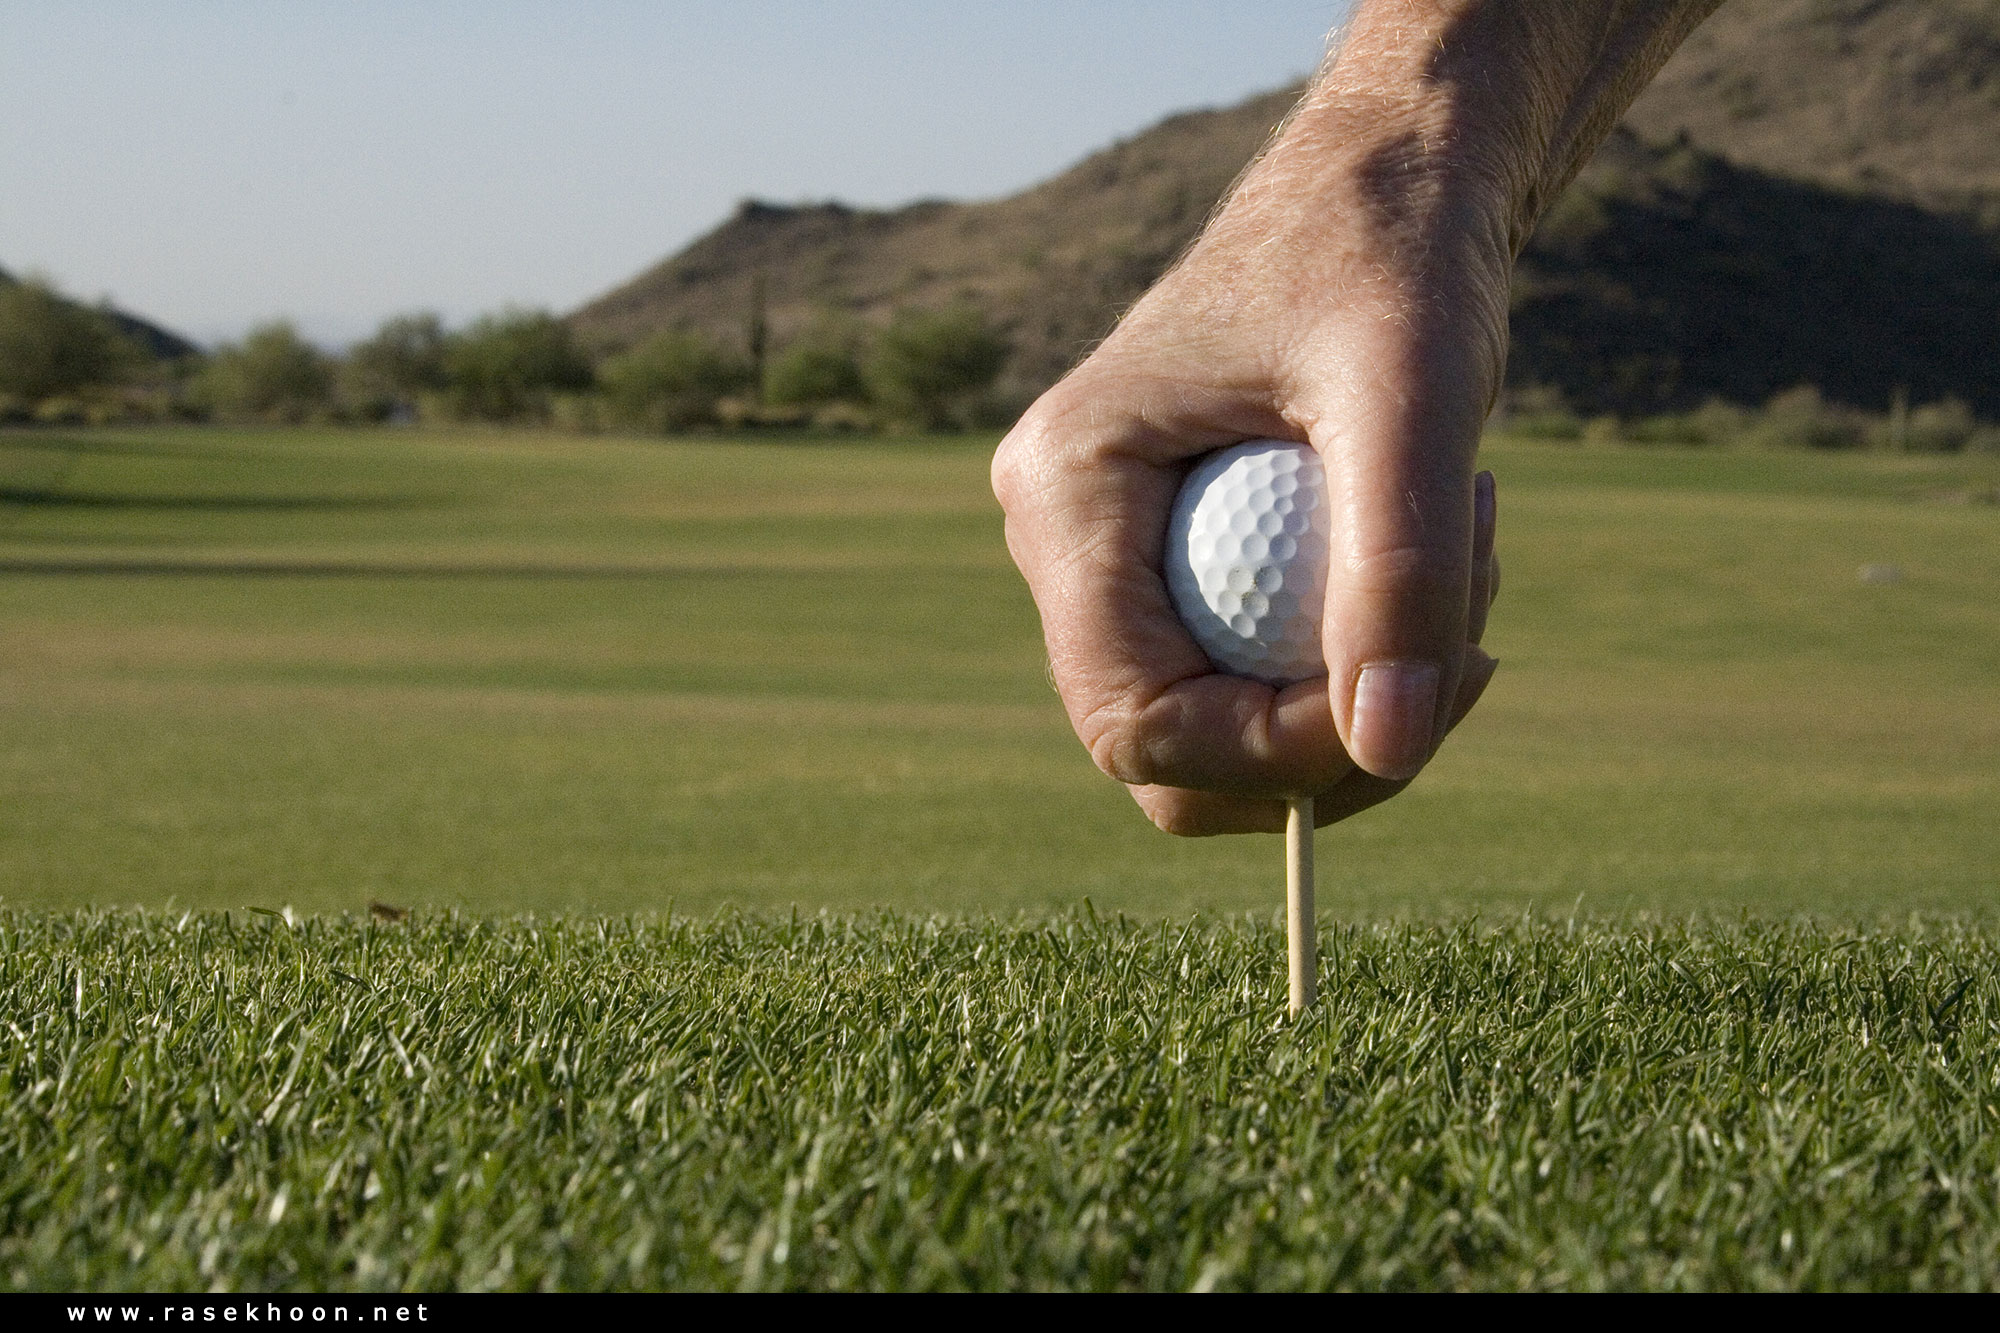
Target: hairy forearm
{"x": 1417, "y": 163}
{"x": 1513, "y": 94}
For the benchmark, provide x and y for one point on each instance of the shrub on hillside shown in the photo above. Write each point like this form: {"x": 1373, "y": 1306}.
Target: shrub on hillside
{"x": 387, "y": 376}
{"x": 930, "y": 368}
{"x": 52, "y": 347}
{"x": 820, "y": 366}
{"x": 672, "y": 381}
{"x": 1714, "y": 422}
{"x": 511, "y": 367}
{"x": 1662, "y": 428}
{"x": 1557, "y": 425}
{"x": 1537, "y": 412}
{"x": 1718, "y": 422}
{"x": 1939, "y": 428}
{"x": 272, "y": 375}
{"x": 1801, "y": 419}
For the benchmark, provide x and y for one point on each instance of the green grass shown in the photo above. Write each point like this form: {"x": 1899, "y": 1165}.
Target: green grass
{"x": 749, "y": 852}
{"x": 893, "y": 1102}
{"x": 540, "y": 673}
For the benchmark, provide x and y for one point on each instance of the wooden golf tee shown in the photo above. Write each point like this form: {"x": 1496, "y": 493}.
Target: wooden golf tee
{"x": 1302, "y": 944}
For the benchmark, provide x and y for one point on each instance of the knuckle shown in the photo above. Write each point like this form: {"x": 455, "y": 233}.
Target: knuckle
{"x": 1118, "y": 752}
{"x": 1035, "y": 453}
{"x": 1176, "y": 818}
{"x": 1409, "y": 570}
{"x": 1120, "y": 737}
{"x": 1013, "y": 465}
{"x": 1183, "y": 814}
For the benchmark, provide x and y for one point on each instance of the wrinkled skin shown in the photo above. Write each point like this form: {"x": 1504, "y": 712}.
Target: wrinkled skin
{"x": 1351, "y": 294}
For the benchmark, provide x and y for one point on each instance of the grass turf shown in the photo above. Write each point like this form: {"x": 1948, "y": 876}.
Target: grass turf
{"x": 506, "y": 674}
{"x": 221, "y": 1102}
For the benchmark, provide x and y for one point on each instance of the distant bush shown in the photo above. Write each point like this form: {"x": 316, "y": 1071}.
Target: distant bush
{"x": 1939, "y": 428}
{"x": 51, "y": 346}
{"x": 1717, "y": 422}
{"x": 842, "y": 417}
{"x": 101, "y": 405}
{"x": 511, "y": 366}
{"x": 1604, "y": 429}
{"x": 1537, "y": 412}
{"x": 1713, "y": 423}
{"x": 672, "y": 381}
{"x": 820, "y": 366}
{"x": 1559, "y": 425}
{"x": 1664, "y": 428}
{"x": 389, "y": 375}
{"x": 272, "y": 375}
{"x": 578, "y": 413}
{"x": 1577, "y": 219}
{"x": 1801, "y": 419}
{"x": 930, "y": 368}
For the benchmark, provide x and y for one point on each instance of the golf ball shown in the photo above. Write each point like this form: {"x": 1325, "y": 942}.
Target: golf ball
{"x": 1246, "y": 559}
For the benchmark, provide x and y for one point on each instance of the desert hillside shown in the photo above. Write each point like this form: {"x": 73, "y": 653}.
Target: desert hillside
{"x": 163, "y": 344}
{"x": 1898, "y": 97}
{"x": 1809, "y": 193}
{"x": 1053, "y": 263}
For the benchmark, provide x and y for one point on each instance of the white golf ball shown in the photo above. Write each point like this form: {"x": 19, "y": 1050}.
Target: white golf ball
{"x": 1246, "y": 559}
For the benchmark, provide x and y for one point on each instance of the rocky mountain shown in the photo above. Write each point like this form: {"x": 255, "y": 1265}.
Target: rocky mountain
{"x": 1054, "y": 264}
{"x": 1809, "y": 193}
{"x": 1879, "y": 97}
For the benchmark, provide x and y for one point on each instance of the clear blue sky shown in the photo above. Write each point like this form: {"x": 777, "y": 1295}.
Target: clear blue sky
{"x": 212, "y": 163}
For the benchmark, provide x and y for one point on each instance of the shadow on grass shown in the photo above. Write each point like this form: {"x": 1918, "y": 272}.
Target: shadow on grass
{"x": 350, "y": 569}
{"x": 39, "y": 442}
{"x": 42, "y": 497}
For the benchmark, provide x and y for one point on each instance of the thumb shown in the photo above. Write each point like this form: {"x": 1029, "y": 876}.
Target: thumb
{"x": 1399, "y": 457}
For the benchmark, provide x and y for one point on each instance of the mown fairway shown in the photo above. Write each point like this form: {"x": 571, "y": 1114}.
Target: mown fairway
{"x": 510, "y": 672}
{"x": 1678, "y": 968}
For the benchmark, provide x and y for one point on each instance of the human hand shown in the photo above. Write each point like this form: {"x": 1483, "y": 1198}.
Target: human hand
{"x": 1351, "y": 294}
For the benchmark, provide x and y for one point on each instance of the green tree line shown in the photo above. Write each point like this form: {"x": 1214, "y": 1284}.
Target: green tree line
{"x": 930, "y": 369}
{"x": 65, "y": 362}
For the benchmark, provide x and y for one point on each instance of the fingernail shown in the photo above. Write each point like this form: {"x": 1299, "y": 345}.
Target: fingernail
{"x": 1395, "y": 717}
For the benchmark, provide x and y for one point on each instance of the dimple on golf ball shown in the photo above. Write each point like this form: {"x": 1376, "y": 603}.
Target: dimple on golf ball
{"x": 1246, "y": 559}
